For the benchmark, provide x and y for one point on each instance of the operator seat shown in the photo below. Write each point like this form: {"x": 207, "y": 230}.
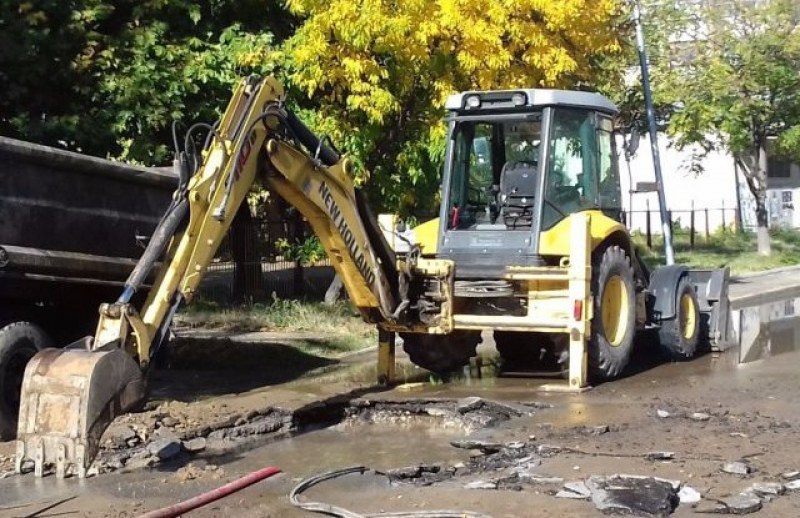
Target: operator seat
{"x": 518, "y": 184}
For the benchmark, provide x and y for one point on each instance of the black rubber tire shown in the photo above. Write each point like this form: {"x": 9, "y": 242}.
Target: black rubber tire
{"x": 607, "y": 361}
{"x": 441, "y": 353}
{"x": 529, "y": 350}
{"x": 19, "y": 342}
{"x": 674, "y": 344}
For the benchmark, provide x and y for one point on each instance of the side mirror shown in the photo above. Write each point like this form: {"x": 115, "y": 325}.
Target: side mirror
{"x": 633, "y": 142}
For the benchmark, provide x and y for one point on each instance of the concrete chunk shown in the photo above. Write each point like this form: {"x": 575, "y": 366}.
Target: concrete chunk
{"x": 767, "y": 488}
{"x": 165, "y": 448}
{"x": 689, "y": 495}
{"x": 743, "y": 503}
{"x": 737, "y": 468}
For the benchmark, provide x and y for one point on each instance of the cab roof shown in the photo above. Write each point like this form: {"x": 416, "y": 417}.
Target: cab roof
{"x": 533, "y": 98}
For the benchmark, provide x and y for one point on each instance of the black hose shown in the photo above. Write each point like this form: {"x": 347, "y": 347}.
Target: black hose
{"x": 340, "y": 512}
{"x": 155, "y": 248}
{"x": 312, "y": 143}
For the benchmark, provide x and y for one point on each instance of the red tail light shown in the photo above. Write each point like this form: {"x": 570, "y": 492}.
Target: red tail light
{"x": 577, "y": 310}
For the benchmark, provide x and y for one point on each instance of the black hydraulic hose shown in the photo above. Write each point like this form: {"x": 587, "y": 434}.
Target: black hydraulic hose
{"x": 155, "y": 248}
{"x": 312, "y": 143}
{"x": 340, "y": 512}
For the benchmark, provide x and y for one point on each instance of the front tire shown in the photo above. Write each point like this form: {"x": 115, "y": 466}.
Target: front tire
{"x": 614, "y": 319}
{"x": 441, "y": 353}
{"x": 678, "y": 336}
{"x": 19, "y": 342}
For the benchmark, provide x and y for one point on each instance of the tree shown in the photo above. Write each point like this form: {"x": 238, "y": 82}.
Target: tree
{"x": 382, "y": 70}
{"x": 109, "y": 77}
{"x": 735, "y": 84}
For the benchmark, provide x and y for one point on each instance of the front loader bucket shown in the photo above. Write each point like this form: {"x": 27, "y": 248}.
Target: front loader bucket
{"x": 69, "y": 397}
{"x": 716, "y": 325}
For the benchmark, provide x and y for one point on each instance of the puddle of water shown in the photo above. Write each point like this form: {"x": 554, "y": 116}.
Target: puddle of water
{"x": 380, "y": 446}
{"x": 768, "y": 330}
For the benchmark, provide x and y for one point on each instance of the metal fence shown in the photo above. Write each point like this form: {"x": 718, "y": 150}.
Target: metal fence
{"x": 698, "y": 223}
{"x": 250, "y": 268}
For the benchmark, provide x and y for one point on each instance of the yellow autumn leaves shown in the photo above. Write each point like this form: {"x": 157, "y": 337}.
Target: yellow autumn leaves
{"x": 367, "y": 54}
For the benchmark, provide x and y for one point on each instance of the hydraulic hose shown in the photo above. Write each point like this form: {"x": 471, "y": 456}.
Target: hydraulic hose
{"x": 155, "y": 248}
{"x": 312, "y": 143}
{"x": 340, "y": 512}
{"x": 213, "y": 495}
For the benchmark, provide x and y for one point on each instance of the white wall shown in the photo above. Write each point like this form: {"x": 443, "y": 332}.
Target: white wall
{"x": 714, "y": 189}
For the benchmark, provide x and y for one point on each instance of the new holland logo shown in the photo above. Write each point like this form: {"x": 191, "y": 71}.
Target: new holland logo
{"x": 341, "y": 225}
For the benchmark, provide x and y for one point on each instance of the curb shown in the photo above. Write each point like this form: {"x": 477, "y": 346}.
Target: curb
{"x": 765, "y": 295}
{"x": 782, "y": 269}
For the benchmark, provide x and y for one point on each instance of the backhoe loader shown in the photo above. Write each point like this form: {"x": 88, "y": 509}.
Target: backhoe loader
{"x": 529, "y": 246}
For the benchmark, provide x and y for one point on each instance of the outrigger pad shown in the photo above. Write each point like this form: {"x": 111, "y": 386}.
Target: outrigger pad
{"x": 69, "y": 397}
{"x": 716, "y": 325}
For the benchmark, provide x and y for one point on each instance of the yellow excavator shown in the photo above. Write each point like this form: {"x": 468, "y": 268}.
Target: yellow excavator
{"x": 529, "y": 245}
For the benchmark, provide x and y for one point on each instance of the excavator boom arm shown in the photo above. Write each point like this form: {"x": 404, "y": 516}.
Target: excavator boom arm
{"x": 70, "y": 396}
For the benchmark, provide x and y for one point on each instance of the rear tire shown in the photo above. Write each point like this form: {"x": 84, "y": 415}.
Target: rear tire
{"x": 441, "y": 353}
{"x": 678, "y": 336}
{"x": 614, "y": 319}
{"x": 19, "y": 342}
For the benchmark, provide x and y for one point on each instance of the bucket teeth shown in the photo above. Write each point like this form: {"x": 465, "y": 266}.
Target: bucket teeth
{"x": 69, "y": 397}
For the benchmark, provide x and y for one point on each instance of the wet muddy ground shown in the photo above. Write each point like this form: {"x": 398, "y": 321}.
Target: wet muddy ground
{"x": 720, "y": 425}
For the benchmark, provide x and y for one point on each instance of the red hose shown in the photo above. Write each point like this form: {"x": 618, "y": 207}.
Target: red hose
{"x": 210, "y": 496}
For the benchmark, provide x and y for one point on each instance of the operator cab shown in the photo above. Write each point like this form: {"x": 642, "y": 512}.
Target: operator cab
{"x": 518, "y": 162}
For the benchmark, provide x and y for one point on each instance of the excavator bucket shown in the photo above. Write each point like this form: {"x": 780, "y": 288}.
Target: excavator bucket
{"x": 69, "y": 397}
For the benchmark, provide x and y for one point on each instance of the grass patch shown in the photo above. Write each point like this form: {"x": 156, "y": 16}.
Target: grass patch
{"x": 725, "y": 248}
{"x": 338, "y": 328}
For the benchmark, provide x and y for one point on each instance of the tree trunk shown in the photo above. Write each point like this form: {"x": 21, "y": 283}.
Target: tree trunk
{"x": 248, "y": 279}
{"x": 754, "y": 169}
{"x": 334, "y": 291}
{"x": 762, "y": 231}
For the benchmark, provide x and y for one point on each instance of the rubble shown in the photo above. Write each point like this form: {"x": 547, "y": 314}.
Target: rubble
{"x": 165, "y": 447}
{"x": 575, "y": 489}
{"x": 737, "y": 468}
{"x": 481, "y": 484}
{"x": 688, "y": 495}
{"x": 194, "y": 445}
{"x": 793, "y": 485}
{"x": 633, "y": 495}
{"x": 790, "y": 475}
{"x": 742, "y": 503}
{"x": 659, "y": 455}
{"x": 471, "y": 444}
{"x": 767, "y": 489}
{"x": 663, "y": 414}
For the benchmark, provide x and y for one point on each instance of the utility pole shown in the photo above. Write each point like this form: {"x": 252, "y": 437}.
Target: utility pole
{"x": 666, "y": 225}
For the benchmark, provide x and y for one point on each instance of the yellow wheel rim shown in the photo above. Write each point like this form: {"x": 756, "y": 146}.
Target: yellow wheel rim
{"x": 687, "y": 315}
{"x": 614, "y": 310}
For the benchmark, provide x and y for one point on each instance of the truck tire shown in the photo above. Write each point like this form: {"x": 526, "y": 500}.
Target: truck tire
{"x": 614, "y": 319}
{"x": 678, "y": 336}
{"x": 19, "y": 342}
{"x": 441, "y": 353}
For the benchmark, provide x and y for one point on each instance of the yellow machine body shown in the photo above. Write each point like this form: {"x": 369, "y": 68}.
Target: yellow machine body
{"x": 69, "y": 396}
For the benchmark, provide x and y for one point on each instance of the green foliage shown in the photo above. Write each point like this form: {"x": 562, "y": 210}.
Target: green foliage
{"x": 306, "y": 252}
{"x": 108, "y": 78}
{"x": 725, "y": 248}
{"x": 340, "y": 327}
{"x": 740, "y": 84}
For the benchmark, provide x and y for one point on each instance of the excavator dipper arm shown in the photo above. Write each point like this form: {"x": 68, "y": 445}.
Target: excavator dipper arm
{"x": 70, "y": 396}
